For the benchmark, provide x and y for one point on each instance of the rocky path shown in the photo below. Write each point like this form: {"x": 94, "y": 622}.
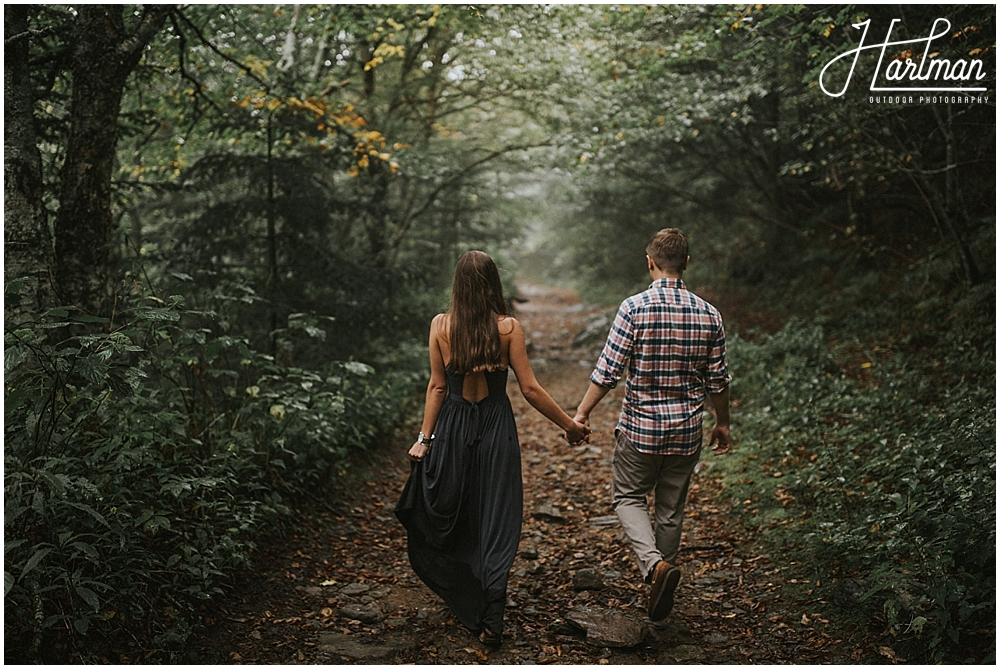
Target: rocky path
{"x": 341, "y": 590}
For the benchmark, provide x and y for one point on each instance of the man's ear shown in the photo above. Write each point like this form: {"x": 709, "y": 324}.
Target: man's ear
{"x": 650, "y": 265}
{"x": 686, "y": 261}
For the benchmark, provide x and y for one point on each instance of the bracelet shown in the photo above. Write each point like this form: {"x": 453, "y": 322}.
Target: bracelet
{"x": 424, "y": 440}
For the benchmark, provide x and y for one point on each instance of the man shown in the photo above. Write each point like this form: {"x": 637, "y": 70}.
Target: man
{"x": 673, "y": 345}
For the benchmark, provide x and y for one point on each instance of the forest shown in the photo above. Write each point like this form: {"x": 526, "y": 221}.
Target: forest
{"x": 227, "y": 227}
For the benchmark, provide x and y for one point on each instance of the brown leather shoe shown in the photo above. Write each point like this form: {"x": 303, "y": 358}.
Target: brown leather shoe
{"x": 661, "y": 594}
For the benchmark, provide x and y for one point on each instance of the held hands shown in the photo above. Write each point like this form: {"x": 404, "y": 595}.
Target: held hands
{"x": 580, "y": 432}
{"x": 720, "y": 439}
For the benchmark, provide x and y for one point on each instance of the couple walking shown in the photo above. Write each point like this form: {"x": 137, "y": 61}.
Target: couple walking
{"x": 462, "y": 504}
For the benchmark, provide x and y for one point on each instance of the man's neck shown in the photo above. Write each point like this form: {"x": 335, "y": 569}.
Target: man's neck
{"x": 657, "y": 274}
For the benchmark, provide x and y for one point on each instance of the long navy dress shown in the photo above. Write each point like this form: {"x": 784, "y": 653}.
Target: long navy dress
{"x": 462, "y": 504}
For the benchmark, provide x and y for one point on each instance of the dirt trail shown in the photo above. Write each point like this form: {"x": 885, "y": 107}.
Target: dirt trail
{"x": 342, "y": 591}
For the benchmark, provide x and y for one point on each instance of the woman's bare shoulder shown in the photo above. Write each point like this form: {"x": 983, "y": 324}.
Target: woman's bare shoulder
{"x": 439, "y": 325}
{"x": 508, "y": 325}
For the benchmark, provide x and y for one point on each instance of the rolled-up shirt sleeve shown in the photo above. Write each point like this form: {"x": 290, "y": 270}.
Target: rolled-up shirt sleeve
{"x": 611, "y": 364}
{"x": 717, "y": 377}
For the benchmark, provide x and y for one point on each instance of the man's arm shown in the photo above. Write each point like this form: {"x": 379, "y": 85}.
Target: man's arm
{"x": 610, "y": 364}
{"x": 595, "y": 394}
{"x": 720, "y": 433}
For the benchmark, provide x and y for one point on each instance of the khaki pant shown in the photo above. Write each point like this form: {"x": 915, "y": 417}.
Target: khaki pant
{"x": 637, "y": 474}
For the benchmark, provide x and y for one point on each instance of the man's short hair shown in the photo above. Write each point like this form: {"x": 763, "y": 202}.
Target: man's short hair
{"x": 669, "y": 250}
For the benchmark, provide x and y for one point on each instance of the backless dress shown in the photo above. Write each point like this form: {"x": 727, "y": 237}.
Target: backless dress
{"x": 462, "y": 504}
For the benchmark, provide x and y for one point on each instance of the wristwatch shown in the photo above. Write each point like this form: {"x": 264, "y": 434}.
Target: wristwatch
{"x": 424, "y": 440}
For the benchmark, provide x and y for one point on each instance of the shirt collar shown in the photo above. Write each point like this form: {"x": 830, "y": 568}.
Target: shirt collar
{"x": 667, "y": 283}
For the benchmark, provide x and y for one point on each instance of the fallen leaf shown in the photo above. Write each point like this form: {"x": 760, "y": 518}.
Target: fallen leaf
{"x": 887, "y": 651}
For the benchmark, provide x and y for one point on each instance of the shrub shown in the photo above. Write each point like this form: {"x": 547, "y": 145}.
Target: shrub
{"x": 889, "y": 478}
{"x": 142, "y": 457}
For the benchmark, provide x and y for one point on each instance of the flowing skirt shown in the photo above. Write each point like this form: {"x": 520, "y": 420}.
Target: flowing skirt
{"x": 462, "y": 509}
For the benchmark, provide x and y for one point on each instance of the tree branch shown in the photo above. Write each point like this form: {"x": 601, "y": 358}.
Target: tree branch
{"x": 149, "y": 24}
{"x": 204, "y": 40}
{"x": 406, "y": 220}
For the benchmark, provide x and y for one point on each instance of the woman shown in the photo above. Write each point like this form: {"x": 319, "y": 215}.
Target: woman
{"x": 462, "y": 503}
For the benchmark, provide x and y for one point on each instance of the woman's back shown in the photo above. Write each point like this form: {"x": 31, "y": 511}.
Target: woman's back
{"x": 477, "y": 385}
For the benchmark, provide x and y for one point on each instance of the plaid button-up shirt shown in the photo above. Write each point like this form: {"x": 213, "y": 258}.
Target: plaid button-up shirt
{"x": 674, "y": 347}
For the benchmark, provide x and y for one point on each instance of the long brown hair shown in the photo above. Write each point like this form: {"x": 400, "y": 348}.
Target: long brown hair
{"x": 476, "y": 303}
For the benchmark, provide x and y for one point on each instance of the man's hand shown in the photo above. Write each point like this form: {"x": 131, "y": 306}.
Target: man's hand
{"x": 719, "y": 441}
{"x": 579, "y": 434}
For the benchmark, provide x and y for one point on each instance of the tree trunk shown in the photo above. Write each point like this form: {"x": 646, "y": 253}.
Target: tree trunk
{"x": 271, "y": 287}
{"x": 27, "y": 241}
{"x": 104, "y": 56}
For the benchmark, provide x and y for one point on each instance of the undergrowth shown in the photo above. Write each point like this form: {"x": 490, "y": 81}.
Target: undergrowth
{"x": 872, "y": 455}
{"x": 143, "y": 456}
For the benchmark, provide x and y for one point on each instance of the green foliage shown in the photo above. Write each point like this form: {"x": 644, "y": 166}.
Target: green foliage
{"x": 887, "y": 474}
{"x": 712, "y": 117}
{"x": 143, "y": 456}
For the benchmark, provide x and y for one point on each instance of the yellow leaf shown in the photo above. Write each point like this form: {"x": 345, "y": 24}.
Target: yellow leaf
{"x": 388, "y": 50}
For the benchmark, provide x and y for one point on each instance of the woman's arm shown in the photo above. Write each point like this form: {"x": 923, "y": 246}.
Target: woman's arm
{"x": 437, "y": 390}
{"x": 533, "y": 391}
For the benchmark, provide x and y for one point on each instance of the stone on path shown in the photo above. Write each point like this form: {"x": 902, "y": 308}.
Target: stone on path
{"x": 715, "y": 638}
{"x": 547, "y": 511}
{"x": 366, "y": 614}
{"x": 686, "y": 654}
{"x": 595, "y": 328}
{"x": 337, "y": 646}
{"x": 355, "y": 589}
{"x": 671, "y": 633}
{"x": 608, "y": 628}
{"x": 587, "y": 579}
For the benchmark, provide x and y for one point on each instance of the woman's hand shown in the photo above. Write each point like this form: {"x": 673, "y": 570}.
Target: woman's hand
{"x": 578, "y": 434}
{"x": 418, "y": 451}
